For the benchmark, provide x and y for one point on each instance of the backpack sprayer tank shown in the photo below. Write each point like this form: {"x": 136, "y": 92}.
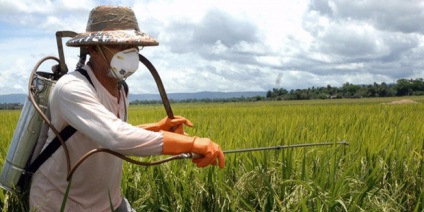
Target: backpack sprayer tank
{"x": 27, "y": 132}
{"x": 31, "y": 131}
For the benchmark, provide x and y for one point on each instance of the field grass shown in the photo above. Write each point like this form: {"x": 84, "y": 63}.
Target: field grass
{"x": 382, "y": 169}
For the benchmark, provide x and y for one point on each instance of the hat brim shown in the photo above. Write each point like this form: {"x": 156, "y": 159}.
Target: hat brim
{"x": 115, "y": 37}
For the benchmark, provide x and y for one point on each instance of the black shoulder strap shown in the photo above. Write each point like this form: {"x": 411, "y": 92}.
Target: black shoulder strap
{"x": 85, "y": 74}
{"x": 66, "y": 133}
{"x": 25, "y": 179}
{"x": 125, "y": 85}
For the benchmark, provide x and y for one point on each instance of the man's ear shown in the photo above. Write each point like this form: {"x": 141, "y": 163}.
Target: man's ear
{"x": 92, "y": 50}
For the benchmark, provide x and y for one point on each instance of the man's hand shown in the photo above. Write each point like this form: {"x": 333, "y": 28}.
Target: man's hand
{"x": 174, "y": 125}
{"x": 209, "y": 152}
{"x": 170, "y": 125}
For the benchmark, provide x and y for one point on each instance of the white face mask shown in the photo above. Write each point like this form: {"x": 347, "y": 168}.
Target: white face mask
{"x": 124, "y": 63}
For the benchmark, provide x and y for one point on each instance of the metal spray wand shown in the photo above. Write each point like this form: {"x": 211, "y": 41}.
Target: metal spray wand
{"x": 194, "y": 155}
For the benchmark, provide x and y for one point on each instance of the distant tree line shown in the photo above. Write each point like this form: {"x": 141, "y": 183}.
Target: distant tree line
{"x": 234, "y": 99}
{"x": 403, "y": 87}
{"x": 11, "y": 106}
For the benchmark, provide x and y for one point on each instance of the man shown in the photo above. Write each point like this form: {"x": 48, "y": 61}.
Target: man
{"x": 98, "y": 110}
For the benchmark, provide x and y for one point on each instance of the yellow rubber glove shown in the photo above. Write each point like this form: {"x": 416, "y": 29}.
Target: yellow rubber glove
{"x": 170, "y": 125}
{"x": 174, "y": 144}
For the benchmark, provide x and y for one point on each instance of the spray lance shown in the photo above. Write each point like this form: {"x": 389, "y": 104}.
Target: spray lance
{"x": 195, "y": 155}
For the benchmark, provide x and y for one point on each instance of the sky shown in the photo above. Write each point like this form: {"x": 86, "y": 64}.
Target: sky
{"x": 231, "y": 45}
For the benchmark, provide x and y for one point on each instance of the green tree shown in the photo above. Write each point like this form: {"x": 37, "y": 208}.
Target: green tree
{"x": 349, "y": 90}
{"x": 403, "y": 87}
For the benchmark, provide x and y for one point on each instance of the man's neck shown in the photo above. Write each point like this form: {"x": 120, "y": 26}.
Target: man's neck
{"x": 111, "y": 84}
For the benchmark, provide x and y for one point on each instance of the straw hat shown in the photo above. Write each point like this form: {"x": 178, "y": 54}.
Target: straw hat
{"x": 112, "y": 25}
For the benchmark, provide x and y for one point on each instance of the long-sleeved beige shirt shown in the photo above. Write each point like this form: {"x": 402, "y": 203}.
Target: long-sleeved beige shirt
{"x": 95, "y": 113}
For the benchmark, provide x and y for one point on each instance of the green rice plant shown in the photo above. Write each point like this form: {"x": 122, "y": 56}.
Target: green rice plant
{"x": 382, "y": 169}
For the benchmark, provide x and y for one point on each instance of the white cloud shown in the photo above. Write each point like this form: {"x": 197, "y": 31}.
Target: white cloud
{"x": 233, "y": 45}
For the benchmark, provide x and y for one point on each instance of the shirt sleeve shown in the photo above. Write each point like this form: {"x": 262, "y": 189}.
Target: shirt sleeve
{"x": 79, "y": 106}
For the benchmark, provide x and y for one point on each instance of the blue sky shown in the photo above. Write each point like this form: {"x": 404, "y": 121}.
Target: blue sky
{"x": 238, "y": 45}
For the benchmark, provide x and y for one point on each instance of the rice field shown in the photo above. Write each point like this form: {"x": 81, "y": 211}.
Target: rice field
{"x": 382, "y": 168}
